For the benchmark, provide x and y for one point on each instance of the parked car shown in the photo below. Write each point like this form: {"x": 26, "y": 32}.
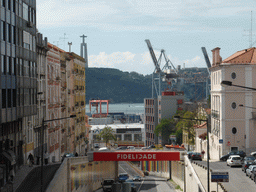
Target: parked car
{"x": 234, "y": 160}
{"x": 240, "y": 153}
{"x": 103, "y": 149}
{"x": 131, "y": 147}
{"x": 189, "y": 153}
{"x": 249, "y": 159}
{"x": 253, "y": 154}
{"x": 67, "y": 155}
{"x": 246, "y": 164}
{"x": 196, "y": 156}
{"x": 121, "y": 148}
{"x": 144, "y": 148}
{"x": 249, "y": 170}
{"x": 96, "y": 145}
{"x": 253, "y": 175}
{"x": 151, "y": 146}
{"x": 136, "y": 178}
{"x": 107, "y": 184}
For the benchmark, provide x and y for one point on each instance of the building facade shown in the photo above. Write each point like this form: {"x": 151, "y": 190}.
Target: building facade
{"x": 78, "y": 70}
{"x": 17, "y": 82}
{"x": 164, "y": 107}
{"x": 232, "y": 124}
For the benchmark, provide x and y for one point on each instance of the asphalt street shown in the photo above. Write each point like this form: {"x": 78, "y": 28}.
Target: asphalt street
{"x": 148, "y": 183}
{"x": 238, "y": 181}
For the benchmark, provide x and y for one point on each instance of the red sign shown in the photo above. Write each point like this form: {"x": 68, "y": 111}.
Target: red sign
{"x": 136, "y": 156}
{"x": 228, "y": 144}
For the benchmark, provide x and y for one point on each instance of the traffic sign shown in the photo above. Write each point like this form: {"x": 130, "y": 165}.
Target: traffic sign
{"x": 228, "y": 144}
{"x": 220, "y": 177}
{"x": 221, "y": 141}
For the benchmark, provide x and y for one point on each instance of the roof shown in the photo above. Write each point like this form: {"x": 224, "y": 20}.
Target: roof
{"x": 246, "y": 56}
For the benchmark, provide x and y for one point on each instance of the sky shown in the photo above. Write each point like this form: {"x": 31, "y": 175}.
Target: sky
{"x": 116, "y": 29}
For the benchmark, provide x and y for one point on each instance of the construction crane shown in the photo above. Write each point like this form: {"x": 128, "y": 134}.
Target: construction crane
{"x": 167, "y": 73}
{"x": 208, "y": 81}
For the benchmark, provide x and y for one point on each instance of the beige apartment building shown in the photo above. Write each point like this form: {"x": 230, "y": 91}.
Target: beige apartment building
{"x": 230, "y": 123}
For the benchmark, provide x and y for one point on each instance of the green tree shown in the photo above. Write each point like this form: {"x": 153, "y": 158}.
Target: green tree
{"x": 166, "y": 128}
{"x": 107, "y": 134}
{"x": 188, "y": 126}
{"x": 179, "y": 134}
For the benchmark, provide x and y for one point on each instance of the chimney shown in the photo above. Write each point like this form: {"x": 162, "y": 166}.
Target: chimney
{"x": 216, "y": 58}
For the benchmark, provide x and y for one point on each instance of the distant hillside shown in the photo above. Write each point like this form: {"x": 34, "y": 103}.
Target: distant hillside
{"x": 117, "y": 86}
{"x": 131, "y": 87}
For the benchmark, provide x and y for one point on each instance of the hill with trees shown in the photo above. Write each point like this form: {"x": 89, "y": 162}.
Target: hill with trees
{"x": 131, "y": 87}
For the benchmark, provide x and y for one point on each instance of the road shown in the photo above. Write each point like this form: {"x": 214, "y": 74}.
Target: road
{"x": 148, "y": 184}
{"x": 238, "y": 181}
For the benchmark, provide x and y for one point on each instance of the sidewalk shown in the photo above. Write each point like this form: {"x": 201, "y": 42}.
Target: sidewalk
{"x": 23, "y": 172}
{"x": 202, "y": 174}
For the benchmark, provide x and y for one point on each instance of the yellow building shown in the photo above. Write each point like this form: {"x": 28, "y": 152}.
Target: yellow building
{"x": 79, "y": 98}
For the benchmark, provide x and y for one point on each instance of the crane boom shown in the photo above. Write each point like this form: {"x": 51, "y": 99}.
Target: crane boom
{"x": 206, "y": 58}
{"x": 153, "y": 56}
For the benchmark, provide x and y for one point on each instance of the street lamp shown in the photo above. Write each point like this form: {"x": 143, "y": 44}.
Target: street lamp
{"x": 42, "y": 143}
{"x": 229, "y": 83}
{"x": 208, "y": 154}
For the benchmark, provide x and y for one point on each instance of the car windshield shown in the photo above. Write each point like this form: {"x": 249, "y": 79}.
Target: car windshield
{"x": 196, "y": 153}
{"x": 236, "y": 158}
{"x": 250, "y": 158}
{"x": 108, "y": 182}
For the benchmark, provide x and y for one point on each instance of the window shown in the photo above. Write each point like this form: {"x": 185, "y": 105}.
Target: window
{"x": 13, "y": 35}
{"x": 14, "y": 6}
{"x": 10, "y": 65}
{"x": 26, "y": 97}
{"x": 25, "y": 11}
{"x": 3, "y": 98}
{"x": 18, "y": 95}
{"x": 13, "y": 66}
{"x": 21, "y": 97}
{"x": 3, "y": 3}
{"x": 3, "y": 31}
{"x": 14, "y": 97}
{"x": 9, "y": 99}
{"x": 7, "y": 65}
{"x": 21, "y": 68}
{"x": 9, "y": 4}
{"x": 3, "y": 64}
{"x": 234, "y": 130}
{"x": 233, "y": 75}
{"x": 233, "y": 105}
{"x": 9, "y": 33}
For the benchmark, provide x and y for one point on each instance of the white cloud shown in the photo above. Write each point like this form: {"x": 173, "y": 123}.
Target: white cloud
{"x": 141, "y": 63}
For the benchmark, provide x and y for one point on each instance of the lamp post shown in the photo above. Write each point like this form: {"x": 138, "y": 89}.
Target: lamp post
{"x": 208, "y": 154}
{"x": 42, "y": 144}
{"x": 229, "y": 83}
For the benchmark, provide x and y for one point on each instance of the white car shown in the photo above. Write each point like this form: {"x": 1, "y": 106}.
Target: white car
{"x": 249, "y": 170}
{"x": 253, "y": 153}
{"x": 234, "y": 160}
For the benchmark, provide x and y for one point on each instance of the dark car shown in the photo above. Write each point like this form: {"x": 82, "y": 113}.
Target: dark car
{"x": 196, "y": 156}
{"x": 121, "y": 148}
{"x": 240, "y": 153}
{"x": 189, "y": 153}
{"x": 136, "y": 178}
{"x": 67, "y": 155}
{"x": 151, "y": 146}
{"x": 107, "y": 184}
{"x": 246, "y": 164}
{"x": 249, "y": 159}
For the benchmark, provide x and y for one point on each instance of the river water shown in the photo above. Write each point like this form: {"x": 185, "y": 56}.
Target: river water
{"x": 134, "y": 108}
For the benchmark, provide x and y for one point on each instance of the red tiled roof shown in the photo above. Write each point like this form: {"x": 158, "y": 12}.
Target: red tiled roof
{"x": 246, "y": 56}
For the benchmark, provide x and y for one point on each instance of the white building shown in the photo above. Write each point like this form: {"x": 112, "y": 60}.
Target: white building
{"x": 126, "y": 134}
{"x": 233, "y": 124}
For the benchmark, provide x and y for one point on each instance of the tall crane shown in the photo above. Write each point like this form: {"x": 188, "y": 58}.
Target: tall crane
{"x": 208, "y": 63}
{"x": 167, "y": 73}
